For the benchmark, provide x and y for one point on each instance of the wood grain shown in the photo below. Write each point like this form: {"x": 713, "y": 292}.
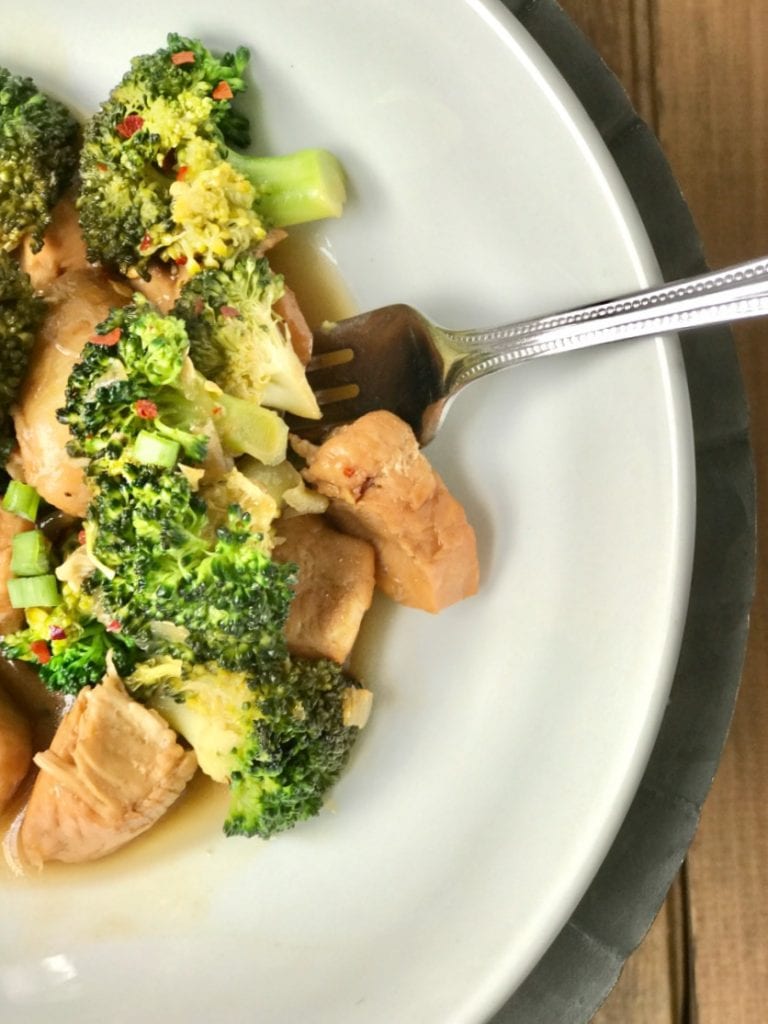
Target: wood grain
{"x": 695, "y": 70}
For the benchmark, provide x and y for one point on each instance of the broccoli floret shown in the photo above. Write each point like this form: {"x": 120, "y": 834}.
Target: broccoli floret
{"x": 156, "y": 174}
{"x": 39, "y": 142}
{"x": 21, "y": 312}
{"x": 280, "y": 738}
{"x": 302, "y": 741}
{"x": 131, "y": 380}
{"x": 237, "y": 339}
{"x": 68, "y": 645}
{"x": 136, "y": 378}
{"x": 173, "y": 587}
{"x": 167, "y": 575}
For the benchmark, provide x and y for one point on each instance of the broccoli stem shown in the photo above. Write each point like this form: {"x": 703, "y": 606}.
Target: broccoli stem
{"x": 248, "y": 429}
{"x": 294, "y": 189}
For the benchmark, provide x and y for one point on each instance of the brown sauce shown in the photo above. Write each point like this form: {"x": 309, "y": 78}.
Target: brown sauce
{"x": 197, "y": 817}
{"x": 309, "y": 269}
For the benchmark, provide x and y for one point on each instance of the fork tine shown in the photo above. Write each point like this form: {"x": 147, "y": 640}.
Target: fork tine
{"x": 331, "y": 369}
{"x": 376, "y": 360}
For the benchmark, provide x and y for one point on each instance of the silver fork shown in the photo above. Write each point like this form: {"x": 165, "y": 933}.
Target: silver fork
{"x": 395, "y": 358}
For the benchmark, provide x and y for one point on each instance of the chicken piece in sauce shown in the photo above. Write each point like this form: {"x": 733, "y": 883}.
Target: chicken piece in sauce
{"x": 162, "y": 287}
{"x": 15, "y": 749}
{"x": 112, "y": 770}
{"x": 11, "y": 619}
{"x": 63, "y": 248}
{"x": 382, "y": 488}
{"x": 334, "y": 589}
{"x": 80, "y": 299}
{"x": 296, "y": 327}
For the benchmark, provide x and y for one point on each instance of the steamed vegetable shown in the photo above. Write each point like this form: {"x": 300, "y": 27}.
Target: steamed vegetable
{"x": 280, "y": 738}
{"x": 38, "y": 155}
{"x": 21, "y": 313}
{"x": 158, "y": 176}
{"x": 237, "y": 339}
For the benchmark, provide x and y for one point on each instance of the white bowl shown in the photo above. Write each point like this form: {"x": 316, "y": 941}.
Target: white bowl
{"x": 509, "y": 733}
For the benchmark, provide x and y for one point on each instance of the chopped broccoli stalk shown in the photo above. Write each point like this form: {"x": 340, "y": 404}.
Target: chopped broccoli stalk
{"x": 158, "y": 175}
{"x": 21, "y": 313}
{"x": 237, "y": 339}
{"x": 39, "y": 141}
{"x": 280, "y": 737}
{"x": 296, "y": 188}
{"x": 248, "y": 429}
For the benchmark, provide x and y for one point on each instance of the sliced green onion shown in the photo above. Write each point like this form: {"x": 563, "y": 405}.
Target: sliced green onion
{"x": 34, "y": 592}
{"x": 154, "y": 450}
{"x": 29, "y": 554}
{"x": 21, "y": 500}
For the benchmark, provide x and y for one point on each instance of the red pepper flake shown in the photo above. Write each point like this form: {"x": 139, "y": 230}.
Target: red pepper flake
{"x": 114, "y": 626}
{"x": 183, "y": 57}
{"x": 129, "y": 125}
{"x": 145, "y": 243}
{"x": 348, "y": 471}
{"x": 41, "y": 651}
{"x": 222, "y": 92}
{"x": 199, "y": 306}
{"x": 217, "y": 410}
{"x": 57, "y": 633}
{"x": 107, "y": 339}
{"x": 81, "y": 537}
{"x": 102, "y": 167}
{"x": 180, "y": 261}
{"x": 145, "y": 409}
{"x": 182, "y": 172}
{"x": 229, "y": 311}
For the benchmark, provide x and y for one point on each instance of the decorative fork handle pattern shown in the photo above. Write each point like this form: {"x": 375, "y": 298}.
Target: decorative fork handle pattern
{"x": 736, "y": 293}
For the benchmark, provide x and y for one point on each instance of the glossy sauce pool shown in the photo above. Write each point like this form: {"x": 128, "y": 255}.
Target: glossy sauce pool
{"x": 308, "y": 266}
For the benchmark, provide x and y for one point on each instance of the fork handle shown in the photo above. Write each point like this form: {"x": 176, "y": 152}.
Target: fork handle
{"x": 735, "y": 293}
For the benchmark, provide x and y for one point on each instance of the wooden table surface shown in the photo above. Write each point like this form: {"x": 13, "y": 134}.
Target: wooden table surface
{"x": 697, "y": 72}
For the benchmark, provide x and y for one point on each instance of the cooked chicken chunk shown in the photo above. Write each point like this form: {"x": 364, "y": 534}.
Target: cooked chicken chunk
{"x": 334, "y": 590}
{"x": 15, "y": 749}
{"x": 297, "y": 329}
{"x": 63, "y": 247}
{"x": 112, "y": 770}
{"x": 10, "y": 618}
{"x": 163, "y": 286}
{"x": 382, "y": 488}
{"x": 80, "y": 300}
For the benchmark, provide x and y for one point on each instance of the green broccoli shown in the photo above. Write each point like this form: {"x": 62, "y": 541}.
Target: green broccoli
{"x": 68, "y": 645}
{"x": 130, "y": 381}
{"x": 156, "y": 174}
{"x": 177, "y": 587}
{"x": 237, "y": 339}
{"x": 163, "y": 573}
{"x": 39, "y": 141}
{"x": 174, "y": 581}
{"x": 21, "y": 312}
{"x": 136, "y": 379}
{"x": 280, "y": 737}
{"x": 162, "y": 580}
